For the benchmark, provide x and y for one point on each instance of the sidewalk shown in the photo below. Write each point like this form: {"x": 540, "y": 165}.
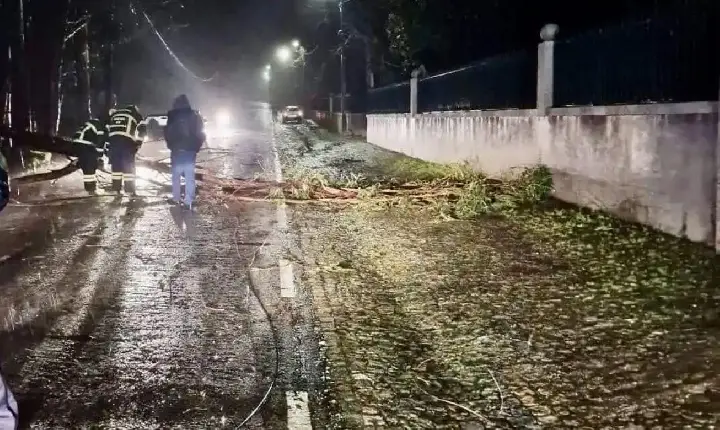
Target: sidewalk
{"x": 551, "y": 317}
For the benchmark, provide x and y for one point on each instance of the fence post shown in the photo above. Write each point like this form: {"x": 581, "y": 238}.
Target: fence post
{"x": 546, "y": 60}
{"x": 413, "y": 95}
{"x": 330, "y": 104}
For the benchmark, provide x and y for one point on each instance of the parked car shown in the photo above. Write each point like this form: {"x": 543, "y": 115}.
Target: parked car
{"x": 292, "y": 114}
{"x": 155, "y": 124}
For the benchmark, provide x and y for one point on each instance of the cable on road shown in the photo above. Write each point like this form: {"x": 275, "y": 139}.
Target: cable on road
{"x": 182, "y": 65}
{"x": 273, "y": 328}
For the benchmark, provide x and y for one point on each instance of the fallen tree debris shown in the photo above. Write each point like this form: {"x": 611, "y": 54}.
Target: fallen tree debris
{"x": 47, "y": 176}
{"x": 472, "y": 195}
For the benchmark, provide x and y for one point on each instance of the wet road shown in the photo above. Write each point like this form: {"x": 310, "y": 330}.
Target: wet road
{"x": 131, "y": 314}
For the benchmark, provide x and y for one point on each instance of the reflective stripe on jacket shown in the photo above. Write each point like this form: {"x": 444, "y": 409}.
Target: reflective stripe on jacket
{"x": 91, "y": 133}
{"x": 124, "y": 123}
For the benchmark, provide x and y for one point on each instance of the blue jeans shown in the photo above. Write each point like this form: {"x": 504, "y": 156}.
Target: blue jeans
{"x": 183, "y": 164}
{"x": 8, "y": 408}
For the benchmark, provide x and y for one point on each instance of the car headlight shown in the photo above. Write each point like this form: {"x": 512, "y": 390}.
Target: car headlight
{"x": 223, "y": 118}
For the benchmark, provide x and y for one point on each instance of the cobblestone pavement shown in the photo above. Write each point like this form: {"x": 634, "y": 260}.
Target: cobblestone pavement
{"x": 128, "y": 313}
{"x": 554, "y": 318}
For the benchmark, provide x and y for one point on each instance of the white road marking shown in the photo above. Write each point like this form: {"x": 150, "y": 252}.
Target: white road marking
{"x": 287, "y": 279}
{"x": 298, "y": 410}
{"x": 281, "y": 216}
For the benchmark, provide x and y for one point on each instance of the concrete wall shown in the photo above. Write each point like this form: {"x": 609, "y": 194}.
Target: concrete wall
{"x": 655, "y": 164}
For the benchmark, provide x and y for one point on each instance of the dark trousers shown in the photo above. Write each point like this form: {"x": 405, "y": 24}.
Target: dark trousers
{"x": 89, "y": 161}
{"x": 122, "y": 160}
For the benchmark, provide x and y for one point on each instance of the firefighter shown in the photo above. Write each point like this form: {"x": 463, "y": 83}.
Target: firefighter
{"x": 93, "y": 135}
{"x": 125, "y": 136}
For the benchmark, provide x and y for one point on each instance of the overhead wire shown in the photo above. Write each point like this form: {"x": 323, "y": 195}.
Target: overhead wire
{"x": 169, "y": 50}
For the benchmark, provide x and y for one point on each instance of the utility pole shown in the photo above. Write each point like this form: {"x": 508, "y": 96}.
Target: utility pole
{"x": 343, "y": 86}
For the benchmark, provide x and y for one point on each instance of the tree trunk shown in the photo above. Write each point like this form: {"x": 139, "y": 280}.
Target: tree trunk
{"x": 4, "y": 59}
{"x": 83, "y": 73}
{"x": 111, "y": 33}
{"x": 44, "y": 43}
{"x": 19, "y": 84}
{"x": 19, "y": 114}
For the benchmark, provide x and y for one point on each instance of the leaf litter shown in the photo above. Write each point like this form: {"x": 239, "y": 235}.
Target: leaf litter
{"x": 521, "y": 313}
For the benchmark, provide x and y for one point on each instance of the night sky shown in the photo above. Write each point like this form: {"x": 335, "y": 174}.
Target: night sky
{"x": 235, "y": 38}
{"x": 231, "y": 38}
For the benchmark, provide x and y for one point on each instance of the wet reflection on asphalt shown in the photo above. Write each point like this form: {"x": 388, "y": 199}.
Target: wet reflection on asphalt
{"x": 135, "y": 314}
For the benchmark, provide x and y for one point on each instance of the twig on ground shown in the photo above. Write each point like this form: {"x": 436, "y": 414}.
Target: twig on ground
{"x": 500, "y": 393}
{"x": 457, "y": 405}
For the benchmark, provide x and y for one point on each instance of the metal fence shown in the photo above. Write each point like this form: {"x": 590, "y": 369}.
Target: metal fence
{"x": 390, "y": 99}
{"x": 508, "y": 81}
{"x": 669, "y": 60}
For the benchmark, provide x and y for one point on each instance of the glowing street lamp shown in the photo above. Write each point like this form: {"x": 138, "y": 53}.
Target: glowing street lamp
{"x": 296, "y": 44}
{"x": 283, "y": 54}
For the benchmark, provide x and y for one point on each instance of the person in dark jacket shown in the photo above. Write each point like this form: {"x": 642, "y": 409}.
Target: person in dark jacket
{"x": 184, "y": 136}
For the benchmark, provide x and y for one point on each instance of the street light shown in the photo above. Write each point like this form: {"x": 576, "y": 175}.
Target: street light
{"x": 283, "y": 54}
{"x": 295, "y": 43}
{"x": 268, "y": 67}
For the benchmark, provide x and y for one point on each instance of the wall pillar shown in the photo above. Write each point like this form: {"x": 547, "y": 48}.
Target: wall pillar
{"x": 414, "y": 95}
{"x": 546, "y": 65}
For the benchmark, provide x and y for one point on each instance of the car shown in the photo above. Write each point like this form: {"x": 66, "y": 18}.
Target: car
{"x": 154, "y": 125}
{"x": 161, "y": 119}
{"x": 292, "y": 114}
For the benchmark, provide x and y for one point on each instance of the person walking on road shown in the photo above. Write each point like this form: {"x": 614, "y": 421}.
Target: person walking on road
{"x": 184, "y": 136}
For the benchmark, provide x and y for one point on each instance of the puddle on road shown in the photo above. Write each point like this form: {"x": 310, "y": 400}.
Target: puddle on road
{"x": 553, "y": 319}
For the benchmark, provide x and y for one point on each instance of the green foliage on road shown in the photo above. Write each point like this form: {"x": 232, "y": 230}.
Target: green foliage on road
{"x": 453, "y": 190}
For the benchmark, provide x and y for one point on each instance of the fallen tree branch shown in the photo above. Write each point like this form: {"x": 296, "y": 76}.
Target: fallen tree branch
{"x": 47, "y": 176}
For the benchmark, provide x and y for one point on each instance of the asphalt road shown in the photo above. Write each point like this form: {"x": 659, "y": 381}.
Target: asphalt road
{"x": 120, "y": 313}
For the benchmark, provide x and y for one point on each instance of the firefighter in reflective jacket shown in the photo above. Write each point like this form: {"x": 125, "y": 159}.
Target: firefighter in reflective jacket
{"x": 92, "y": 134}
{"x": 125, "y": 138}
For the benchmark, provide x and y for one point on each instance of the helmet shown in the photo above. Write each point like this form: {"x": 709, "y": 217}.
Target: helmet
{"x": 131, "y": 108}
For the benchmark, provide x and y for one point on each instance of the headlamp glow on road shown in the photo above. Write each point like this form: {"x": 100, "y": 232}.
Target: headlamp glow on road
{"x": 222, "y": 118}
